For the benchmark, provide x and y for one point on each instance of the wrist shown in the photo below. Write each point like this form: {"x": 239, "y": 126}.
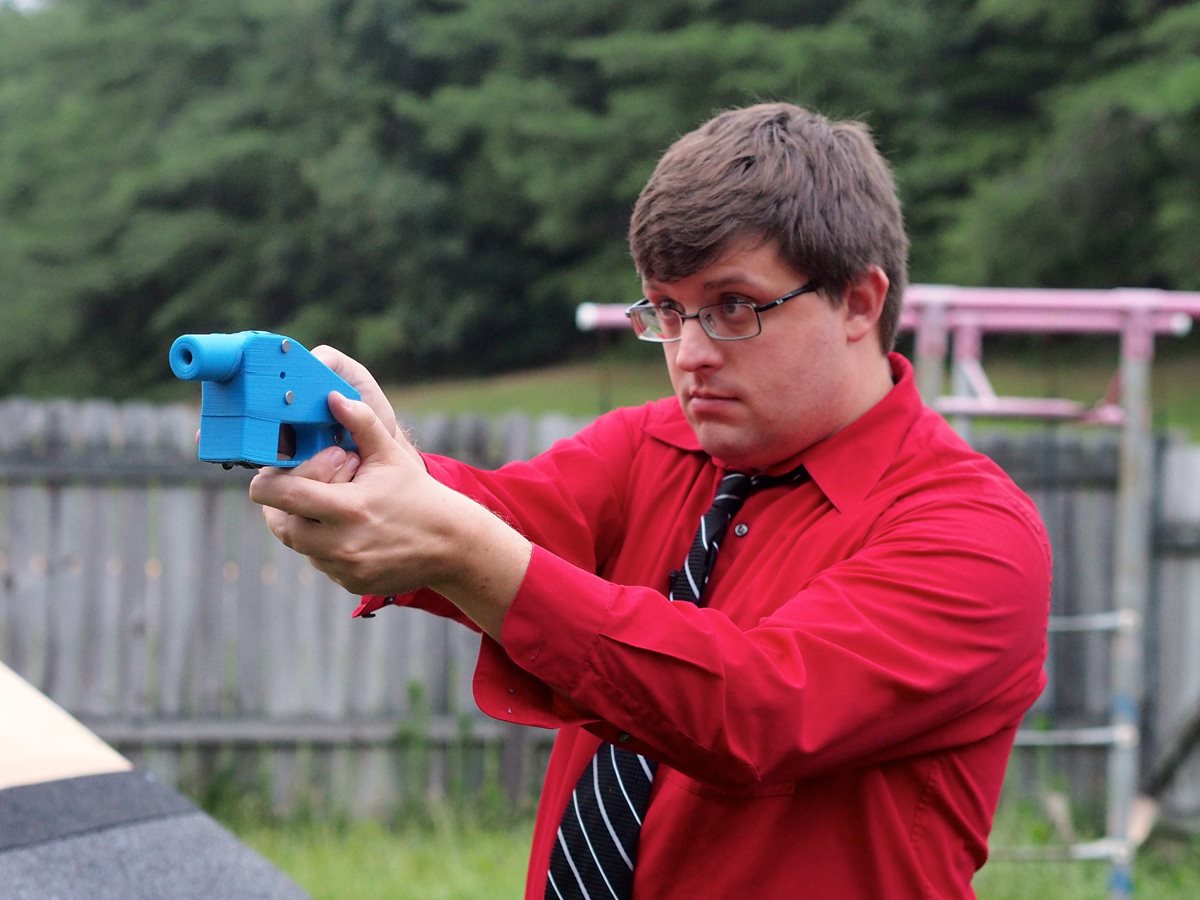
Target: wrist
{"x": 482, "y": 562}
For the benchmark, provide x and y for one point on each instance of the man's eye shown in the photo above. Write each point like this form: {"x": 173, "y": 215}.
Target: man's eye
{"x": 734, "y": 309}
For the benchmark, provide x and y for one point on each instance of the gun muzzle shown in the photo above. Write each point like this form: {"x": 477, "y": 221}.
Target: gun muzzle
{"x": 207, "y": 357}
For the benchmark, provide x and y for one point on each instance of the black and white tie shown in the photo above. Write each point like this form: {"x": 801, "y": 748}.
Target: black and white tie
{"x": 595, "y": 849}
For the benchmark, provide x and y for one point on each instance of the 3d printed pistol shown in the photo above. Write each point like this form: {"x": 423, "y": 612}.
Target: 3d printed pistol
{"x": 262, "y": 398}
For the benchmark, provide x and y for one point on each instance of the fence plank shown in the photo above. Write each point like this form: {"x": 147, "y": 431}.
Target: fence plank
{"x": 26, "y": 561}
{"x": 142, "y": 591}
{"x": 1175, "y": 664}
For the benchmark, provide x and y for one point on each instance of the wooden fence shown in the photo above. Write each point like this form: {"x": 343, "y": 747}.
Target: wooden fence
{"x": 140, "y": 590}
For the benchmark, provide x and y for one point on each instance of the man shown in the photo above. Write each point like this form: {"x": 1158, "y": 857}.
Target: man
{"x": 826, "y": 707}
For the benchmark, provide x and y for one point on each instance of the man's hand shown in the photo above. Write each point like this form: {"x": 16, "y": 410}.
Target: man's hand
{"x": 378, "y": 523}
{"x": 360, "y": 378}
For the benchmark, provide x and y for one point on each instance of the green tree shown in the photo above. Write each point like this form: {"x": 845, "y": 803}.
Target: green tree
{"x": 209, "y": 167}
{"x": 434, "y": 184}
{"x": 1104, "y": 194}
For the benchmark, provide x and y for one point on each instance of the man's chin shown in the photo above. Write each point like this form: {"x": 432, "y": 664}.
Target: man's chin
{"x": 722, "y": 442}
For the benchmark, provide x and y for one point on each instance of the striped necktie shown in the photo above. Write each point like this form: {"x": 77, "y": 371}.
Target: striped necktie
{"x": 596, "y": 846}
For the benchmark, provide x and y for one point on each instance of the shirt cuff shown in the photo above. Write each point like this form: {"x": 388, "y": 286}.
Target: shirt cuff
{"x": 544, "y": 670}
{"x": 551, "y": 628}
{"x": 527, "y": 678}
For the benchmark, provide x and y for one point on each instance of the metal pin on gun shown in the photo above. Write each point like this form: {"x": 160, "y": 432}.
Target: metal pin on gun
{"x": 262, "y": 398}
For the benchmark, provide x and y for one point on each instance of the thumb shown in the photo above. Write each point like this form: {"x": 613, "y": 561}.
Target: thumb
{"x": 368, "y": 431}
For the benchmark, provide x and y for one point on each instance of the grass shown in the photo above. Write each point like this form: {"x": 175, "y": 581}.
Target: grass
{"x": 577, "y": 389}
{"x": 1154, "y": 877}
{"x": 453, "y": 857}
{"x": 628, "y": 375}
{"x": 1167, "y": 866}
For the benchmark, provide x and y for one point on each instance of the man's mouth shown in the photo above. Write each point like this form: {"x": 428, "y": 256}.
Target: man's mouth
{"x": 704, "y": 402}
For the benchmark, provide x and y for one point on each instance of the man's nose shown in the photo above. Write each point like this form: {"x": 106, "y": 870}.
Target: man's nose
{"x": 695, "y": 349}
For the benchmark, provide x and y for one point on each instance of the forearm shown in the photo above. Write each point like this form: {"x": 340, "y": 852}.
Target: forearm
{"x": 481, "y": 562}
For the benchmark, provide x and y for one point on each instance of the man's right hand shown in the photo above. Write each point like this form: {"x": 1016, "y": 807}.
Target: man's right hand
{"x": 333, "y": 465}
{"x": 357, "y": 376}
{"x": 376, "y": 522}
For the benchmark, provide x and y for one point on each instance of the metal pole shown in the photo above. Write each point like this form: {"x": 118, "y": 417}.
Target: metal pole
{"x": 968, "y": 349}
{"x": 1130, "y": 589}
{"x": 930, "y": 351}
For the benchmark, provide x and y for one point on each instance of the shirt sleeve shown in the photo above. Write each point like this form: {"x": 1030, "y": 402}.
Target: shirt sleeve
{"x": 930, "y": 635}
{"x": 568, "y": 500}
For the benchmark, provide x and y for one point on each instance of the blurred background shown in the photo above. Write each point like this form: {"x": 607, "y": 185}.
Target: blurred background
{"x": 434, "y": 186}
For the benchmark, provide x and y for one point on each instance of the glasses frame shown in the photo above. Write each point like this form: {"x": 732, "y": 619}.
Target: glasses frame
{"x": 809, "y": 287}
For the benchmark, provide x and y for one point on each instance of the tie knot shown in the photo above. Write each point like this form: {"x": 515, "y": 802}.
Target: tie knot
{"x": 737, "y": 486}
{"x": 797, "y": 475}
{"x": 732, "y": 491}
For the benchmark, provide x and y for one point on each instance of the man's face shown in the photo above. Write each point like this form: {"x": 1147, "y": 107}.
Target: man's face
{"x": 758, "y": 402}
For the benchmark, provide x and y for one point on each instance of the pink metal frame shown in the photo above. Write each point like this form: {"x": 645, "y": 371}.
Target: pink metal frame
{"x": 938, "y": 313}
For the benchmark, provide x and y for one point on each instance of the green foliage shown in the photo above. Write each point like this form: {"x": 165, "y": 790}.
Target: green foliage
{"x": 453, "y": 856}
{"x": 434, "y": 184}
{"x": 1105, "y": 194}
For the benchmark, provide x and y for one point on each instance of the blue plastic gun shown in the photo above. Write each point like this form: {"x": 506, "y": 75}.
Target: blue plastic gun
{"x": 262, "y": 398}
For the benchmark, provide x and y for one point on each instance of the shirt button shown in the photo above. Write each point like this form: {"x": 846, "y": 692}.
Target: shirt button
{"x": 741, "y": 529}
{"x": 623, "y": 738}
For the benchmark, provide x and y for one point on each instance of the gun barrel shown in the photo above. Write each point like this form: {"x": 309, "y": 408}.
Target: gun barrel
{"x": 207, "y": 357}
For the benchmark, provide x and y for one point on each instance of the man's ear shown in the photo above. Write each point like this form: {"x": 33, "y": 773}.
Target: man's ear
{"x": 864, "y": 303}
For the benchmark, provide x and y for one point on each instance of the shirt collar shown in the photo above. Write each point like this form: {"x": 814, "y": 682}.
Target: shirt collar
{"x": 848, "y": 463}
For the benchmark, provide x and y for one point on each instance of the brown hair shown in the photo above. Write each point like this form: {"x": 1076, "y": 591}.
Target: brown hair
{"x": 777, "y": 171}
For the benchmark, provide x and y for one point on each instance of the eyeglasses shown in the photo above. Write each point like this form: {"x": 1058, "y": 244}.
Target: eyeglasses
{"x": 729, "y": 320}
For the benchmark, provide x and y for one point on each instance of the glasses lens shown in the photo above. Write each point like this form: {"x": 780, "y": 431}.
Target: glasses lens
{"x": 653, "y": 324}
{"x": 730, "y": 321}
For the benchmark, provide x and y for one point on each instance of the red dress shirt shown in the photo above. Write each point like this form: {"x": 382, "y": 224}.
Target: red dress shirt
{"x": 836, "y": 721}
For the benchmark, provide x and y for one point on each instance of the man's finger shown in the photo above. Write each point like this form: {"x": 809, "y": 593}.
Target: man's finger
{"x": 306, "y": 537}
{"x": 359, "y": 377}
{"x": 337, "y": 361}
{"x": 282, "y": 490}
{"x": 346, "y": 471}
{"x": 370, "y": 434}
{"x": 333, "y": 465}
